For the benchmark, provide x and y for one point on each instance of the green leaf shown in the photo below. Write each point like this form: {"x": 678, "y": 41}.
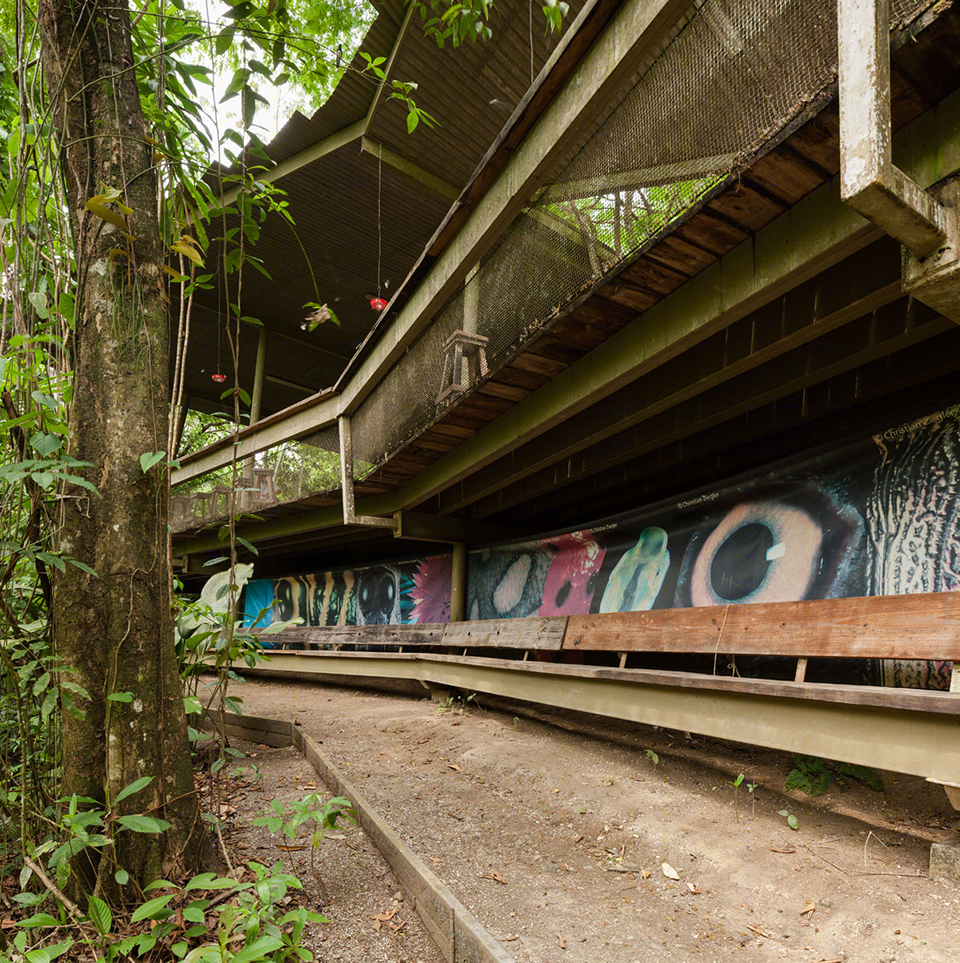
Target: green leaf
{"x": 143, "y": 824}
{"x": 159, "y": 884}
{"x": 209, "y": 881}
{"x": 792, "y": 822}
{"x": 39, "y": 919}
{"x": 39, "y": 301}
{"x": 224, "y": 40}
{"x": 413, "y": 118}
{"x": 150, "y": 458}
{"x": 45, "y": 444}
{"x": 134, "y": 787}
{"x": 43, "y": 478}
{"x": 122, "y": 877}
{"x": 83, "y": 567}
{"x": 152, "y": 909}
{"x": 100, "y": 915}
{"x": 191, "y": 705}
{"x": 257, "y": 950}
{"x": 198, "y": 954}
{"x": 120, "y": 697}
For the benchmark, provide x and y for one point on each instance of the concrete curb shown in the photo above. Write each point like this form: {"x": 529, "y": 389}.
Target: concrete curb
{"x": 454, "y": 929}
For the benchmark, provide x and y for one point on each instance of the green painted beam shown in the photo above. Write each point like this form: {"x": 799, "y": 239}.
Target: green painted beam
{"x": 307, "y": 156}
{"x": 920, "y": 743}
{"x": 406, "y": 167}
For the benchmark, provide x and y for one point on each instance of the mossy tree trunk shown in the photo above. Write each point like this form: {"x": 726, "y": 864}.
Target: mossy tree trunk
{"x": 115, "y": 629}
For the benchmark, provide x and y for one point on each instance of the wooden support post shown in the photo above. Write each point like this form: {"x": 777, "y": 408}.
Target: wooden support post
{"x": 801, "y": 673}
{"x": 458, "y": 583}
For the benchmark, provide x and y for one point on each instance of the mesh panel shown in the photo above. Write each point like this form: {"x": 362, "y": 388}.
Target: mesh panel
{"x": 735, "y": 76}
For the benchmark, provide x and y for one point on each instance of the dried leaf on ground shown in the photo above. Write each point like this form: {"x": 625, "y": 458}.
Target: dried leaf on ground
{"x": 669, "y": 871}
{"x": 495, "y": 876}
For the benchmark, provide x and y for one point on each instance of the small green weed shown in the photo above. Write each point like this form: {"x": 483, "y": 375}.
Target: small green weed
{"x": 792, "y": 820}
{"x": 456, "y": 703}
{"x": 323, "y": 816}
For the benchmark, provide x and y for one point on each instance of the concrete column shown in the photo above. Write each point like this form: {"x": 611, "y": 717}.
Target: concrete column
{"x": 458, "y": 583}
{"x": 256, "y": 396}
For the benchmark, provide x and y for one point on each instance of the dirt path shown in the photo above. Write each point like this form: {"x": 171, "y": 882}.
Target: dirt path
{"x": 556, "y": 840}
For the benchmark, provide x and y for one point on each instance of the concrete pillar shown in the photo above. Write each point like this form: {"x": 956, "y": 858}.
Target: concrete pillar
{"x": 458, "y": 583}
{"x": 256, "y": 396}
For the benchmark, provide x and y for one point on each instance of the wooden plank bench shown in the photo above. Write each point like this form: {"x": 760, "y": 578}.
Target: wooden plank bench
{"x": 583, "y": 663}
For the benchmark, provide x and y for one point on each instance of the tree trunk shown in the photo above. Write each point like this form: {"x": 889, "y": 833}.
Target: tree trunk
{"x": 115, "y": 629}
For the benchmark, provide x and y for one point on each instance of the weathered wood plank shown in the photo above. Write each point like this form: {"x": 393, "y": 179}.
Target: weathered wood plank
{"x": 507, "y": 633}
{"x": 884, "y": 627}
{"x": 428, "y": 633}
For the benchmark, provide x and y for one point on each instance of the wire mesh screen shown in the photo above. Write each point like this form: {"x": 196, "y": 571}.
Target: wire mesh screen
{"x": 738, "y": 74}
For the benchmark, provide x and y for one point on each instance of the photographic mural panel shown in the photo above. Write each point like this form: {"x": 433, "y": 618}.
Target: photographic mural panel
{"x": 877, "y": 517}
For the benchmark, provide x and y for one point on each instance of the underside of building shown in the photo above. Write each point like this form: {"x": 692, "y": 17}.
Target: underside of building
{"x": 686, "y": 338}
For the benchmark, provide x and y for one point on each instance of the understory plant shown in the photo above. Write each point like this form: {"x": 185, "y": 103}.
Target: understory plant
{"x": 318, "y": 814}
{"x": 812, "y": 775}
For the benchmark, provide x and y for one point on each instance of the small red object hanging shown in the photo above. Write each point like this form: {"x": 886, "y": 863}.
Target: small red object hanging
{"x": 378, "y": 304}
{"x": 219, "y": 378}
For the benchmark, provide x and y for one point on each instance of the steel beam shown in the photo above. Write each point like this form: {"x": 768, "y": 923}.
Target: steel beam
{"x": 307, "y": 156}
{"x": 813, "y": 235}
{"x": 350, "y": 516}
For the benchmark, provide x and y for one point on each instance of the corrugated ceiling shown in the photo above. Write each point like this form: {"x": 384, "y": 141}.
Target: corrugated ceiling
{"x": 331, "y": 255}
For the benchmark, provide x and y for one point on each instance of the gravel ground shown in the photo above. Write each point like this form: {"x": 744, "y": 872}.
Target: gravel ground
{"x": 360, "y": 885}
